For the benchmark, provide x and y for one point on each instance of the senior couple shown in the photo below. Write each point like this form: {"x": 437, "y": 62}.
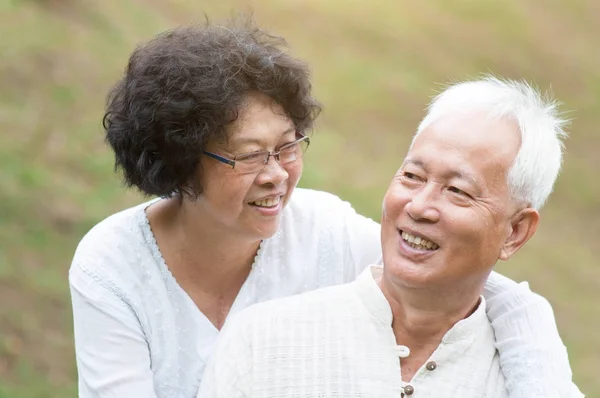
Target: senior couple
{"x": 468, "y": 193}
{"x": 214, "y": 122}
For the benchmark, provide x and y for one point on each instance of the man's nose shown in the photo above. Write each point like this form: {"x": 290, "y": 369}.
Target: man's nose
{"x": 423, "y": 204}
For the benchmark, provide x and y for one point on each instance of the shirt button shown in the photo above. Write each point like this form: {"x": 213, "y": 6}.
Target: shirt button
{"x": 402, "y": 351}
{"x": 408, "y": 389}
{"x": 431, "y": 365}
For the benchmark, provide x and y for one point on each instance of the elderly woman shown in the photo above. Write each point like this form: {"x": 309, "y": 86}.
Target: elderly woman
{"x": 213, "y": 121}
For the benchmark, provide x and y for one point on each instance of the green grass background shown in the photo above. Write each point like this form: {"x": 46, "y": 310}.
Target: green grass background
{"x": 375, "y": 64}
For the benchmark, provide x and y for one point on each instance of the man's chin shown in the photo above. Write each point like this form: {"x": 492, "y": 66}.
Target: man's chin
{"x": 409, "y": 273}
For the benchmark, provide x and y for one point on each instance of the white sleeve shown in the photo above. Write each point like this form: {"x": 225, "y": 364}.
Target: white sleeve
{"x": 363, "y": 239}
{"x": 533, "y": 358}
{"x": 227, "y": 374}
{"x": 113, "y": 358}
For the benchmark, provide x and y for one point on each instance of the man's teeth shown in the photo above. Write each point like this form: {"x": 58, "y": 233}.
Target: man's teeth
{"x": 418, "y": 242}
{"x": 269, "y": 202}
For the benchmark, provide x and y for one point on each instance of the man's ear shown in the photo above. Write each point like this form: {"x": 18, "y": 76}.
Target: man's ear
{"x": 523, "y": 226}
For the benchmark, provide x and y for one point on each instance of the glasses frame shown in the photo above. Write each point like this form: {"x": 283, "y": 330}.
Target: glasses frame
{"x": 269, "y": 154}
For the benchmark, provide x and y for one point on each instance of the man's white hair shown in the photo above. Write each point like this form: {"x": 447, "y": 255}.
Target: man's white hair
{"x": 532, "y": 176}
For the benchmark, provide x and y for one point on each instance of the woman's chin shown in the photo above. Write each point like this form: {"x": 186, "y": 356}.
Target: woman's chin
{"x": 266, "y": 229}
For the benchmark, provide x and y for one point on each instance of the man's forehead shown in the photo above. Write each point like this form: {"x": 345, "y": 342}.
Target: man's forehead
{"x": 472, "y": 132}
{"x": 469, "y": 145}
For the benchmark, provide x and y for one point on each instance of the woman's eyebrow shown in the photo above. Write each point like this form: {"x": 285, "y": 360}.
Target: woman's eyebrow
{"x": 253, "y": 140}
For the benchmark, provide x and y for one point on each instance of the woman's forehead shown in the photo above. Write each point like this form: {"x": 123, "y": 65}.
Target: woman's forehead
{"x": 260, "y": 136}
{"x": 260, "y": 125}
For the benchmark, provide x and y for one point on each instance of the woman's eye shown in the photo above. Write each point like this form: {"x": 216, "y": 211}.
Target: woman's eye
{"x": 289, "y": 147}
{"x": 251, "y": 157}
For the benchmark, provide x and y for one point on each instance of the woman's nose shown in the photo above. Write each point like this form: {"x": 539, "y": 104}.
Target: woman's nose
{"x": 273, "y": 172}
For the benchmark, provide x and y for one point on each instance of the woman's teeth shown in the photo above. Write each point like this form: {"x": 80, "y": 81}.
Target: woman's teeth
{"x": 418, "y": 242}
{"x": 269, "y": 202}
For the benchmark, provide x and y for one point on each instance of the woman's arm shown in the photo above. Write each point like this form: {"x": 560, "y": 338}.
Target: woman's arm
{"x": 113, "y": 359}
{"x": 533, "y": 357}
{"x": 363, "y": 240}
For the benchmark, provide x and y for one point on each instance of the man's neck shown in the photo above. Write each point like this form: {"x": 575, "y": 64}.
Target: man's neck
{"x": 421, "y": 318}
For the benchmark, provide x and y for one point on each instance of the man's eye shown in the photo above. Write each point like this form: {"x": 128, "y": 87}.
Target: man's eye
{"x": 408, "y": 175}
{"x": 457, "y": 191}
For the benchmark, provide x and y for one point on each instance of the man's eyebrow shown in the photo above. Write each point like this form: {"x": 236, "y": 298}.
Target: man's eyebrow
{"x": 415, "y": 162}
{"x": 459, "y": 174}
{"x": 462, "y": 175}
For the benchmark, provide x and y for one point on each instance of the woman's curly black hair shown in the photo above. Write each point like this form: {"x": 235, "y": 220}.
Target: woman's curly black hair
{"x": 181, "y": 90}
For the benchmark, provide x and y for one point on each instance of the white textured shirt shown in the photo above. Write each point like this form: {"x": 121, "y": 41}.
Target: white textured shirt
{"x": 339, "y": 342}
{"x": 138, "y": 334}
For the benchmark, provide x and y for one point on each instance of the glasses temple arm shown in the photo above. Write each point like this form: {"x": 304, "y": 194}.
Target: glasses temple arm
{"x": 220, "y": 158}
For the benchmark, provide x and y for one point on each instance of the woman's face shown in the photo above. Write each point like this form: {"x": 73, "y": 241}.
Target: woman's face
{"x": 250, "y": 204}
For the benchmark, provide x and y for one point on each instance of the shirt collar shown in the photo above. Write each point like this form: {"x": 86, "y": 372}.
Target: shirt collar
{"x": 373, "y": 299}
{"x": 371, "y": 295}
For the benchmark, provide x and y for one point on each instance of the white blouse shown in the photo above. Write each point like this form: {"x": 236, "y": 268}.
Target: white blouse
{"x": 138, "y": 334}
{"x": 339, "y": 342}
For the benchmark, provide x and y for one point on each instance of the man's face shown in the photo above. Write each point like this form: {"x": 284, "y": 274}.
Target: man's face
{"x": 447, "y": 212}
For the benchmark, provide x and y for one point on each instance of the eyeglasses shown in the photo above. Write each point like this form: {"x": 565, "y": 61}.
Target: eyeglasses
{"x": 254, "y": 161}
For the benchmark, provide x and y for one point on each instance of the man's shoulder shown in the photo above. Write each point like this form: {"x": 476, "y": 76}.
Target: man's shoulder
{"x": 314, "y": 306}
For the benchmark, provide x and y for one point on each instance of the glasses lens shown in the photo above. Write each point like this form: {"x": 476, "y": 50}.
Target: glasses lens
{"x": 293, "y": 151}
{"x": 250, "y": 162}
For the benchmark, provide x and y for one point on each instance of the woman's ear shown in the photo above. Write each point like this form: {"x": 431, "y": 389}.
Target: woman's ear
{"x": 523, "y": 226}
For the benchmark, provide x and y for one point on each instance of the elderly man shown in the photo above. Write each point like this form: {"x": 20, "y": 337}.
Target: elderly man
{"x": 481, "y": 165}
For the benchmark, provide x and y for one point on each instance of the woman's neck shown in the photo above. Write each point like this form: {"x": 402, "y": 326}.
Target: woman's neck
{"x": 205, "y": 250}
{"x": 209, "y": 262}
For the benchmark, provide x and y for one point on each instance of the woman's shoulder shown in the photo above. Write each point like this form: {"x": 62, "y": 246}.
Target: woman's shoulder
{"x": 308, "y": 193}
{"x": 319, "y": 209}
{"x": 311, "y": 201}
{"x": 123, "y": 226}
{"x": 114, "y": 243}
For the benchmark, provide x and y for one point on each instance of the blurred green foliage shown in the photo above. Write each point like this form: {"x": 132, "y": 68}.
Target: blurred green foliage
{"x": 375, "y": 63}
